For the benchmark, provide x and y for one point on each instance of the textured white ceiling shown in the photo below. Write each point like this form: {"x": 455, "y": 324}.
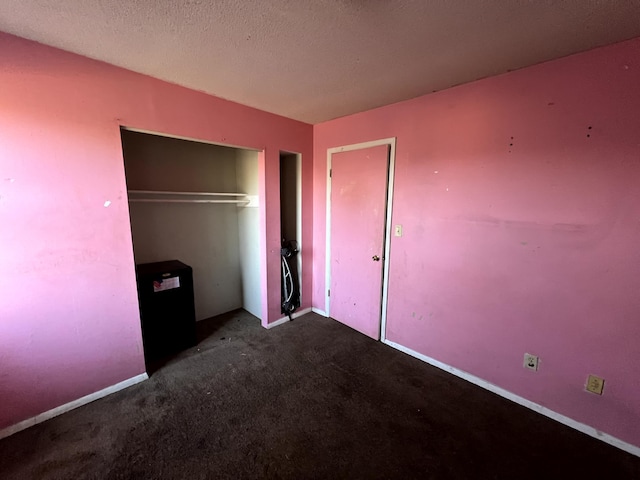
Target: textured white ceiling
{"x": 321, "y": 59}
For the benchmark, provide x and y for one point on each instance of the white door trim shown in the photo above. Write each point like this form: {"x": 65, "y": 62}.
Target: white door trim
{"x": 387, "y": 243}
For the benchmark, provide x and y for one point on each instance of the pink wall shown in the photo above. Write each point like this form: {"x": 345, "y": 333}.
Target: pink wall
{"x": 531, "y": 247}
{"x": 69, "y": 322}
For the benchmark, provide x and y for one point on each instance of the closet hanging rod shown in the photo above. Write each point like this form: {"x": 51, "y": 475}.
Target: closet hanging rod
{"x": 211, "y": 194}
{"x": 176, "y": 200}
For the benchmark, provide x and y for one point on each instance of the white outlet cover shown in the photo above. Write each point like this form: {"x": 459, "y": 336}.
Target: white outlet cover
{"x": 530, "y": 361}
{"x": 398, "y": 230}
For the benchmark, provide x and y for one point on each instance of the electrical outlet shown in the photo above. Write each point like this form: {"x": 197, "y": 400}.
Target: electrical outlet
{"x": 530, "y": 361}
{"x": 594, "y": 384}
{"x": 398, "y": 230}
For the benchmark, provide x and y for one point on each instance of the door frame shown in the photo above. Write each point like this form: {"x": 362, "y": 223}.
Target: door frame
{"x": 391, "y": 142}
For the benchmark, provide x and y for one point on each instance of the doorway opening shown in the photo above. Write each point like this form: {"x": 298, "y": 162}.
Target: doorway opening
{"x": 195, "y": 203}
{"x": 291, "y": 230}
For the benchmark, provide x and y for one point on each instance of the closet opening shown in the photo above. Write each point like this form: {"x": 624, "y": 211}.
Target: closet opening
{"x": 196, "y": 203}
{"x": 291, "y": 227}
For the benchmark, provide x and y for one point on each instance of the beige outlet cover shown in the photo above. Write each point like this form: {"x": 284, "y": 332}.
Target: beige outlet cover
{"x": 595, "y": 384}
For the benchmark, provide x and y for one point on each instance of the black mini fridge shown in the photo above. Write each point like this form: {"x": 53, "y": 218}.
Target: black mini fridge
{"x": 167, "y": 312}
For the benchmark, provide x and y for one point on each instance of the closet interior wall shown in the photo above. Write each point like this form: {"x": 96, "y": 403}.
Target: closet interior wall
{"x": 249, "y": 231}
{"x": 218, "y": 240}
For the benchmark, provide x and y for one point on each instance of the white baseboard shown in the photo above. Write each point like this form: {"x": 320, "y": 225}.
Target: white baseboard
{"x": 319, "y": 312}
{"x": 282, "y": 320}
{"x": 581, "y": 427}
{"x": 29, "y": 422}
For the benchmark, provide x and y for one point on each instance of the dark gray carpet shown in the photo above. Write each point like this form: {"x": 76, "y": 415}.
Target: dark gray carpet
{"x": 309, "y": 399}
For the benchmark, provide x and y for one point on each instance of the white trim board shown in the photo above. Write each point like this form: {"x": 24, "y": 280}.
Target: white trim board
{"x": 54, "y": 412}
{"x": 319, "y": 312}
{"x": 282, "y": 320}
{"x": 569, "y": 422}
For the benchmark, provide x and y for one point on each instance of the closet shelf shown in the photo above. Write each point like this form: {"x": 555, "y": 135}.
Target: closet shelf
{"x": 208, "y": 194}
{"x": 157, "y": 197}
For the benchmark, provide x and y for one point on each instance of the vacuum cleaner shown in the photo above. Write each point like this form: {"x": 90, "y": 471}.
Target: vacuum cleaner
{"x": 290, "y": 292}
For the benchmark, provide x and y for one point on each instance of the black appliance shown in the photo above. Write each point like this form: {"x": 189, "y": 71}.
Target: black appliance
{"x": 167, "y": 311}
